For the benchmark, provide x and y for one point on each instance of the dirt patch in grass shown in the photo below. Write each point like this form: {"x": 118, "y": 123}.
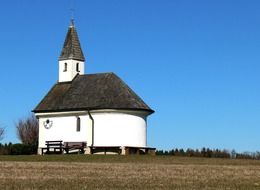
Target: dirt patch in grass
{"x": 131, "y": 173}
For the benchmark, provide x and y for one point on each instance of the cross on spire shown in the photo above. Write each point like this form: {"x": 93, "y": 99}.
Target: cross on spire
{"x": 72, "y": 10}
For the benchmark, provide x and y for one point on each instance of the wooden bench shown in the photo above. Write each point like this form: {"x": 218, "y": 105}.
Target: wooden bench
{"x": 105, "y": 149}
{"x": 70, "y": 146}
{"x": 139, "y": 150}
{"x": 55, "y": 146}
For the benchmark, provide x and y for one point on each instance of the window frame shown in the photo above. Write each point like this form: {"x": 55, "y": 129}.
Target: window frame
{"x": 78, "y": 124}
{"x": 65, "y": 67}
{"x": 77, "y": 67}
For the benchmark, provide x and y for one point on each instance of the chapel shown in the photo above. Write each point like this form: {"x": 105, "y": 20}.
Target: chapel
{"x": 98, "y": 110}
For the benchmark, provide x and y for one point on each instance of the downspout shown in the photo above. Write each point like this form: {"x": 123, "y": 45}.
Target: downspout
{"x": 92, "y": 119}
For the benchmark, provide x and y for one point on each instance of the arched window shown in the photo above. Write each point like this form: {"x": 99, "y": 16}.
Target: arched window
{"x": 65, "y": 67}
{"x": 77, "y": 67}
{"x": 78, "y": 123}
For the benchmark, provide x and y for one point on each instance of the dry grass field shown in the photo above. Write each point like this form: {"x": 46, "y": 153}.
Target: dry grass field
{"x": 127, "y": 172}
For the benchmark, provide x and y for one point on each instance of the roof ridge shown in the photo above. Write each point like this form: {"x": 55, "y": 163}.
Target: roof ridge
{"x": 101, "y": 73}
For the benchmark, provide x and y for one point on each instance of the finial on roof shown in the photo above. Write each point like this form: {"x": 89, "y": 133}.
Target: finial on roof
{"x": 72, "y": 22}
{"x": 72, "y": 17}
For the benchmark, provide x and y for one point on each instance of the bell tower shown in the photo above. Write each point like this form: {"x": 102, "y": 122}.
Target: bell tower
{"x": 71, "y": 60}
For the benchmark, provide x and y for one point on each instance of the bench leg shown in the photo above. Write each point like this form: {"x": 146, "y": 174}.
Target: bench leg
{"x": 66, "y": 150}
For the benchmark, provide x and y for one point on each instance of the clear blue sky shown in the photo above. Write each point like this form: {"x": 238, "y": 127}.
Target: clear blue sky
{"x": 196, "y": 63}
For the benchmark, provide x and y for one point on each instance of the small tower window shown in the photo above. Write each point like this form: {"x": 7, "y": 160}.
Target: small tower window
{"x": 77, "y": 67}
{"x": 65, "y": 67}
{"x": 78, "y": 124}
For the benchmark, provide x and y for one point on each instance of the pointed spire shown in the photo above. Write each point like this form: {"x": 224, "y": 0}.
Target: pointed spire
{"x": 71, "y": 48}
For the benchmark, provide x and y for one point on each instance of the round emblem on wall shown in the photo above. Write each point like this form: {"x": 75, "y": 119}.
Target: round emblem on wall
{"x": 47, "y": 124}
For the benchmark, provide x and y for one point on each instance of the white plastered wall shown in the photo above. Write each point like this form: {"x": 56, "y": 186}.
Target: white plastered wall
{"x": 65, "y": 76}
{"x": 111, "y": 128}
{"x": 64, "y": 127}
{"x": 119, "y": 129}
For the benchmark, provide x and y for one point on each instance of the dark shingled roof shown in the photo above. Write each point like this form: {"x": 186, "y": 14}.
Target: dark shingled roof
{"x": 71, "y": 48}
{"x": 91, "y": 92}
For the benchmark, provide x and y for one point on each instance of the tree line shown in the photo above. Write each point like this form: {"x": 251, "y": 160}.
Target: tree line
{"x": 27, "y": 130}
{"x": 209, "y": 153}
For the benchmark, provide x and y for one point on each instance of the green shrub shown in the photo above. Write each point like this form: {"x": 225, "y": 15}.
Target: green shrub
{"x": 23, "y": 149}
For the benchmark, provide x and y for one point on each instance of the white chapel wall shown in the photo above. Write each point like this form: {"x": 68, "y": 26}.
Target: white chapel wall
{"x": 111, "y": 128}
{"x": 64, "y": 128}
{"x": 120, "y": 129}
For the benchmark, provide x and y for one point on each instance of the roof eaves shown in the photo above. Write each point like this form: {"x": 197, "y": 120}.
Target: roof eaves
{"x": 91, "y": 109}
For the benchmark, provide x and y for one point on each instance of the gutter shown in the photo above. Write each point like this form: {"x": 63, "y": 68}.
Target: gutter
{"x": 92, "y": 119}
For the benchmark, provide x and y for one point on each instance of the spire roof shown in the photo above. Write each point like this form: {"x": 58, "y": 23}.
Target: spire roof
{"x": 71, "y": 48}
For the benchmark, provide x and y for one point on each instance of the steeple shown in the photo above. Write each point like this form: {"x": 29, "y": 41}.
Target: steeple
{"x": 71, "y": 48}
{"x": 71, "y": 60}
